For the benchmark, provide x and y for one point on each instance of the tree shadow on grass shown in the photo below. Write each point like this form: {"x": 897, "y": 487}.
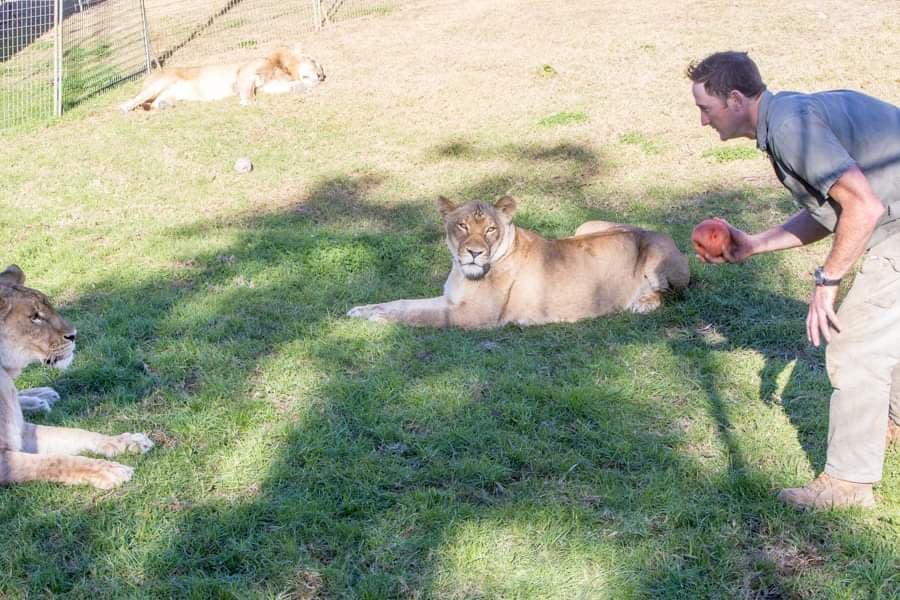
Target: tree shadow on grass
{"x": 178, "y": 353}
{"x": 335, "y": 458}
{"x": 428, "y": 443}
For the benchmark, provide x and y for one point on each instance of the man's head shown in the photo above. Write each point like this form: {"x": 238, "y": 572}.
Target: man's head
{"x": 726, "y": 88}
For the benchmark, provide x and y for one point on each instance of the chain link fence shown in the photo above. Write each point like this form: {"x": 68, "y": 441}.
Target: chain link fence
{"x": 55, "y": 54}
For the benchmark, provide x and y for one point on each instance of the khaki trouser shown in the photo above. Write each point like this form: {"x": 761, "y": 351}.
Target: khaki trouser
{"x": 864, "y": 367}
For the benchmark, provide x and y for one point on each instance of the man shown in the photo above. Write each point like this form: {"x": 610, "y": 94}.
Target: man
{"x": 838, "y": 153}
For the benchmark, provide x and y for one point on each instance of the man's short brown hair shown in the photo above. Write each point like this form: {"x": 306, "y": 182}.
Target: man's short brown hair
{"x": 725, "y": 71}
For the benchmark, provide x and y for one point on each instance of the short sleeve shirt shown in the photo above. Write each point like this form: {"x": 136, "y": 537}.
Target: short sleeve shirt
{"x": 812, "y": 139}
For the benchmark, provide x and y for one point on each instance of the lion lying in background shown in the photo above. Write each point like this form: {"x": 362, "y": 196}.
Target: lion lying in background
{"x": 32, "y": 331}
{"x": 505, "y": 274}
{"x": 284, "y": 70}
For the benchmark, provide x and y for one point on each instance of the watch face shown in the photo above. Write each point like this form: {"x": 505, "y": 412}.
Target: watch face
{"x": 821, "y": 280}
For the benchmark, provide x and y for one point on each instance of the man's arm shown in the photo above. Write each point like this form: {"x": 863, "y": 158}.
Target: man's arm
{"x": 799, "y": 230}
{"x": 860, "y": 211}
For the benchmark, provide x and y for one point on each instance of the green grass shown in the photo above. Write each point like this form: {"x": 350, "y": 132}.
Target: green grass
{"x": 636, "y": 138}
{"x": 374, "y": 10}
{"x": 86, "y": 72}
{"x": 28, "y": 108}
{"x": 26, "y": 91}
{"x": 563, "y": 118}
{"x": 730, "y": 153}
{"x": 301, "y": 454}
{"x": 547, "y": 71}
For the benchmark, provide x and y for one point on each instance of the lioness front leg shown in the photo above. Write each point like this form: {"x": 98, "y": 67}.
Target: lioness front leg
{"x": 18, "y": 467}
{"x": 40, "y": 398}
{"x": 427, "y": 312}
{"x": 42, "y": 439}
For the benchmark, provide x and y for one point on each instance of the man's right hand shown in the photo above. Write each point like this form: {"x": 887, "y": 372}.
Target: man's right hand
{"x": 741, "y": 247}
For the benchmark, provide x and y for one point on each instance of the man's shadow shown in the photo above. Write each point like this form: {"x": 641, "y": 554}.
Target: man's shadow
{"x": 724, "y": 313}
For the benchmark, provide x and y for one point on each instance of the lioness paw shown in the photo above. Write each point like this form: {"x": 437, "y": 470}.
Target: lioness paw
{"x": 372, "y": 312}
{"x": 647, "y": 303}
{"x": 133, "y": 443}
{"x": 106, "y": 475}
{"x": 34, "y": 399}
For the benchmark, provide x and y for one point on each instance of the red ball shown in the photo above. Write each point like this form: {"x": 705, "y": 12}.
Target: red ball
{"x": 711, "y": 237}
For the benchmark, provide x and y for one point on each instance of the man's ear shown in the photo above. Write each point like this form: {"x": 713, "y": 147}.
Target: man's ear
{"x": 736, "y": 99}
{"x": 506, "y": 206}
{"x": 13, "y": 275}
{"x": 444, "y": 205}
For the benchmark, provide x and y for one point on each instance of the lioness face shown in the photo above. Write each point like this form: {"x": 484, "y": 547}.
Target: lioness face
{"x": 476, "y": 233}
{"x": 30, "y": 329}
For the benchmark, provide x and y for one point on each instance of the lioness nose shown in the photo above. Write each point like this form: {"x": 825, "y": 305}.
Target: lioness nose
{"x": 71, "y": 336}
{"x": 475, "y": 253}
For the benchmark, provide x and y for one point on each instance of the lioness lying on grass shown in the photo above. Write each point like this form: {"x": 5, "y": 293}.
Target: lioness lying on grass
{"x": 32, "y": 331}
{"x": 505, "y": 274}
{"x": 282, "y": 71}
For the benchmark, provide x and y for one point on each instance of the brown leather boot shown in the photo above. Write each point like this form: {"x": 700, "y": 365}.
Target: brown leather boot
{"x": 893, "y": 432}
{"x": 829, "y": 492}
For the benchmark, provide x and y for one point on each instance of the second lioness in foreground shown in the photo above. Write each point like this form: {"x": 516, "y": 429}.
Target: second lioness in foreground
{"x": 32, "y": 331}
{"x": 506, "y": 274}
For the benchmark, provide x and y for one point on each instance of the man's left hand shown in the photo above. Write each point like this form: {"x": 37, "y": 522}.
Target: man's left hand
{"x": 821, "y": 317}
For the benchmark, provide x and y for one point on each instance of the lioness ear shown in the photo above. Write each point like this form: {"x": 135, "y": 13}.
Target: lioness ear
{"x": 507, "y": 206}
{"x": 13, "y": 275}
{"x": 444, "y": 205}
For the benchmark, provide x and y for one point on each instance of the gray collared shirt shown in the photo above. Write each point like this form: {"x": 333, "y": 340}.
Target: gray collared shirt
{"x": 812, "y": 139}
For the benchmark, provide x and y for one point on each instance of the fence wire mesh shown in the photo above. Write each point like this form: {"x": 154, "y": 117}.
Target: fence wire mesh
{"x": 27, "y": 53}
{"x": 55, "y": 54}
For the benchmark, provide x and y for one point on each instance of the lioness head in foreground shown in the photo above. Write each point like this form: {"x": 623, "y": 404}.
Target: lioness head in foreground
{"x": 478, "y": 233}
{"x": 30, "y": 329}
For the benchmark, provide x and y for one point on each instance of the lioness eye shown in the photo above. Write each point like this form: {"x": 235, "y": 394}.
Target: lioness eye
{"x": 491, "y": 229}
{"x": 463, "y": 226}
{"x": 36, "y": 318}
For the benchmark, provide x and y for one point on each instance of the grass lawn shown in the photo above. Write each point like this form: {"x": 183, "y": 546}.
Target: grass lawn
{"x": 301, "y": 454}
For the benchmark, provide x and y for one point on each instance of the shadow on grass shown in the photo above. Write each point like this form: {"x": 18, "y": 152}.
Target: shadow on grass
{"x": 401, "y": 462}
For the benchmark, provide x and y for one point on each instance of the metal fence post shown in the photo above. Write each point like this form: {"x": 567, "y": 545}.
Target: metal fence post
{"x": 317, "y": 13}
{"x": 146, "y": 32}
{"x": 57, "y": 58}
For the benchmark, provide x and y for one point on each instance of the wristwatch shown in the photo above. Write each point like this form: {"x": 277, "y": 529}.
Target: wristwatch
{"x": 822, "y": 280}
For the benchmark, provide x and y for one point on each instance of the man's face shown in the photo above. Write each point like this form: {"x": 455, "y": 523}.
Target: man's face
{"x": 717, "y": 113}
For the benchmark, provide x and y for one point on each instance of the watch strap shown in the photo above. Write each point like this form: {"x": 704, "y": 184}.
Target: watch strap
{"x": 822, "y": 280}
